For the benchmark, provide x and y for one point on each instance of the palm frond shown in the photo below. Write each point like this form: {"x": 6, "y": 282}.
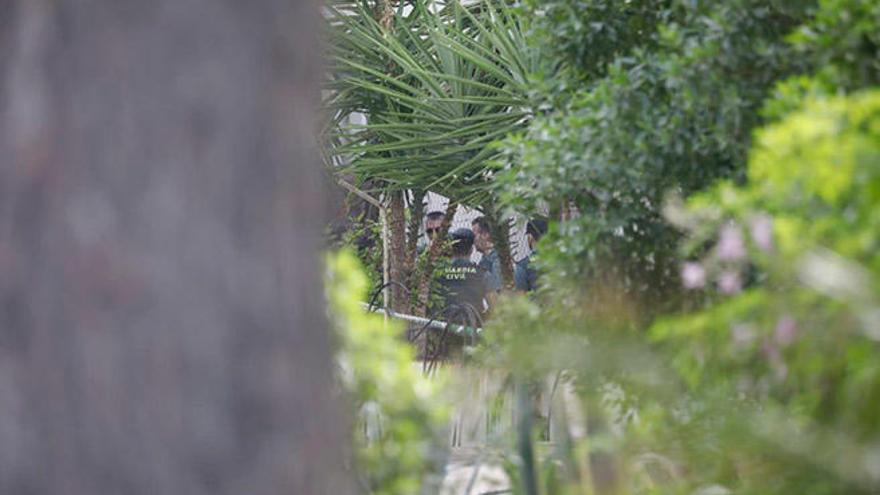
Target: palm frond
{"x": 437, "y": 89}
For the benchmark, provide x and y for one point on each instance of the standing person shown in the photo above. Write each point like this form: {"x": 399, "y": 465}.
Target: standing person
{"x": 433, "y": 222}
{"x": 489, "y": 263}
{"x": 462, "y": 283}
{"x": 525, "y": 276}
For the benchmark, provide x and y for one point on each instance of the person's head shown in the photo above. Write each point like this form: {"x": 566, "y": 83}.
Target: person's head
{"x": 433, "y": 220}
{"x": 482, "y": 236}
{"x": 462, "y": 243}
{"x": 535, "y": 230}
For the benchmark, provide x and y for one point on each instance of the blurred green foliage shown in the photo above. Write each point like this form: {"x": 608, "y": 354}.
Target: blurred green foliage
{"x": 400, "y": 414}
{"x": 843, "y": 43}
{"x": 797, "y": 351}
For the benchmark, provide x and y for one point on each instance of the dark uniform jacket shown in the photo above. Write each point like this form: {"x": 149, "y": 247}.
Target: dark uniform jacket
{"x": 490, "y": 264}
{"x": 524, "y": 274}
{"x": 463, "y": 284}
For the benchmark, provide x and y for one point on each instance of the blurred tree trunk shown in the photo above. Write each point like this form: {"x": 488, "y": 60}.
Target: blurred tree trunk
{"x": 162, "y": 326}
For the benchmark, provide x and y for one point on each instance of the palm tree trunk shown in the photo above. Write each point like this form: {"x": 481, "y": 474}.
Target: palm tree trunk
{"x": 434, "y": 252}
{"x": 385, "y": 14}
{"x": 163, "y": 326}
{"x": 397, "y": 261}
{"x": 500, "y": 230}
{"x": 414, "y": 233}
{"x": 396, "y": 207}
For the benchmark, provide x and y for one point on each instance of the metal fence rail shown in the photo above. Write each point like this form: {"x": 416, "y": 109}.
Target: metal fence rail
{"x": 430, "y": 323}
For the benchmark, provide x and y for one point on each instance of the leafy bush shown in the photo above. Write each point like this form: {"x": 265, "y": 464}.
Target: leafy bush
{"x": 400, "y": 412}
{"x": 843, "y": 42}
{"x": 667, "y": 102}
{"x": 797, "y": 351}
{"x": 771, "y": 383}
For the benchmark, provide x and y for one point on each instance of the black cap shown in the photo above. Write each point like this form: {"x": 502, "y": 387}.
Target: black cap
{"x": 462, "y": 234}
{"x": 537, "y": 227}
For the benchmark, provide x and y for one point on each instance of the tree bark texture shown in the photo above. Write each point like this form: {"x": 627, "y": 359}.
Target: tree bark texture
{"x": 413, "y": 234}
{"x": 385, "y": 14}
{"x": 397, "y": 264}
{"x": 434, "y": 251}
{"x": 162, "y": 325}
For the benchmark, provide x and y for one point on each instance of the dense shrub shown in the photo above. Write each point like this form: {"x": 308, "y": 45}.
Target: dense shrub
{"x": 770, "y": 382}
{"x": 657, "y": 98}
{"x": 843, "y": 43}
{"x": 795, "y": 353}
{"x": 764, "y": 380}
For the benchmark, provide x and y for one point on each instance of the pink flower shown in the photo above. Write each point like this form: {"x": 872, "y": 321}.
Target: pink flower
{"x": 774, "y": 358}
{"x": 693, "y": 275}
{"x": 730, "y": 244}
{"x": 786, "y": 331}
{"x": 729, "y": 282}
{"x": 762, "y": 232}
{"x": 770, "y": 351}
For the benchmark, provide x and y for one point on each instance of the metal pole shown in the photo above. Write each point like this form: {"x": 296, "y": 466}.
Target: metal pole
{"x": 429, "y": 323}
{"x": 385, "y": 262}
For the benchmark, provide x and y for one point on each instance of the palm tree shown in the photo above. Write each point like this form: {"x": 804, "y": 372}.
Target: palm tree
{"x": 439, "y": 83}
